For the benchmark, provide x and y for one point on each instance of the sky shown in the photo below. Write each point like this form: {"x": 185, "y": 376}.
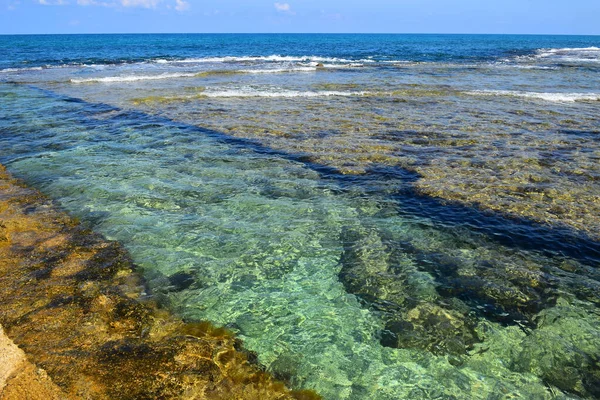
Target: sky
{"x": 303, "y": 16}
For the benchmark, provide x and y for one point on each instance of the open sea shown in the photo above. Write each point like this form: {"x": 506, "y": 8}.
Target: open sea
{"x": 375, "y": 216}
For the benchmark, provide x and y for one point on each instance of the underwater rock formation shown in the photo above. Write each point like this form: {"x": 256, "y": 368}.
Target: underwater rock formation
{"x": 72, "y": 301}
{"x": 431, "y": 300}
{"x": 437, "y": 302}
{"x": 564, "y": 350}
{"x": 416, "y": 316}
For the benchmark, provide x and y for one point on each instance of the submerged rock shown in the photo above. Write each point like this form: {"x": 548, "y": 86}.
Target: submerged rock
{"x": 181, "y": 280}
{"x": 366, "y": 270}
{"x": 564, "y": 350}
{"x": 431, "y": 300}
{"x": 500, "y": 291}
{"x": 416, "y": 316}
{"x": 72, "y": 301}
{"x": 433, "y": 328}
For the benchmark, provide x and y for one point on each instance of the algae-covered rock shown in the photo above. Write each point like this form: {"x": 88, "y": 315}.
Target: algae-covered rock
{"x": 366, "y": 268}
{"x": 436, "y": 329}
{"x": 564, "y": 350}
{"x": 499, "y": 291}
{"x": 384, "y": 278}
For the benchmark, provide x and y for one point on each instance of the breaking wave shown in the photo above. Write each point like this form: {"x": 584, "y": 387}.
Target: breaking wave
{"x": 554, "y": 97}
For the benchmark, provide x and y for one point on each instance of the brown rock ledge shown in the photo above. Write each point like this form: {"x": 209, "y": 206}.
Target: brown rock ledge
{"x": 72, "y": 302}
{"x": 20, "y": 379}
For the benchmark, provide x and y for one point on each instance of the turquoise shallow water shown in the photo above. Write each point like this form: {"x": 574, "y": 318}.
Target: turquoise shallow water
{"x": 292, "y": 202}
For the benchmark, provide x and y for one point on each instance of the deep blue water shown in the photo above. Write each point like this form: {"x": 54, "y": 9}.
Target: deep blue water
{"x": 54, "y": 50}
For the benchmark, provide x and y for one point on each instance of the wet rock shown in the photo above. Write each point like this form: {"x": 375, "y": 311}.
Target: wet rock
{"x": 380, "y": 275}
{"x": 181, "y": 280}
{"x": 436, "y": 329}
{"x": 564, "y": 350}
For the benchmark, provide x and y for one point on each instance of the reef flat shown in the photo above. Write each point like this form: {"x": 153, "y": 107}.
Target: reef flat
{"x": 74, "y": 304}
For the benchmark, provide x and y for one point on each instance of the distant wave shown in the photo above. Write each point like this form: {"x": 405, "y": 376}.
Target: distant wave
{"x": 278, "y": 70}
{"x": 504, "y": 65}
{"x": 570, "y": 54}
{"x": 272, "y": 58}
{"x": 554, "y": 97}
{"x": 250, "y": 92}
{"x": 134, "y": 78}
{"x": 21, "y": 69}
{"x": 569, "y": 50}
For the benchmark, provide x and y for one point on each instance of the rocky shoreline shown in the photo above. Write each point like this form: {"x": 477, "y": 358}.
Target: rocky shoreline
{"x": 19, "y": 378}
{"x": 75, "y": 307}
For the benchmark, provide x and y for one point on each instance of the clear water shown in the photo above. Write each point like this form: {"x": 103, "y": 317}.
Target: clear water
{"x": 364, "y": 211}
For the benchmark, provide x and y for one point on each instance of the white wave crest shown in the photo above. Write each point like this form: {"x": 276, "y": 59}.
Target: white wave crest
{"x": 553, "y": 97}
{"x": 133, "y": 78}
{"x": 21, "y": 69}
{"x": 249, "y": 92}
{"x": 278, "y": 70}
{"x": 272, "y": 58}
{"x": 570, "y": 54}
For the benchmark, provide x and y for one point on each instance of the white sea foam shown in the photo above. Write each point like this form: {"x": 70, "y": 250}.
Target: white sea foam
{"x": 571, "y": 54}
{"x": 591, "y": 49}
{"x": 272, "y": 58}
{"x": 134, "y": 78}
{"x": 536, "y": 67}
{"x": 278, "y": 70}
{"x": 251, "y": 92}
{"x": 21, "y": 69}
{"x": 554, "y": 97}
{"x": 509, "y": 64}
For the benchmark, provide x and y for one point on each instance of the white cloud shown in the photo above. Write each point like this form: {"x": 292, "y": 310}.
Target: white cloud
{"x": 182, "y": 5}
{"x": 140, "y": 3}
{"x": 86, "y": 3}
{"x": 53, "y": 2}
{"x": 282, "y": 7}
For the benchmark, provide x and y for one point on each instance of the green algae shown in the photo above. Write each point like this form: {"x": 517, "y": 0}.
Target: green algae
{"x": 164, "y": 100}
{"x": 218, "y": 72}
{"x": 336, "y": 86}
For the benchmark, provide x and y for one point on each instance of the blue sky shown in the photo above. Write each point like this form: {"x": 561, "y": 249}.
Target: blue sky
{"x": 389, "y": 16}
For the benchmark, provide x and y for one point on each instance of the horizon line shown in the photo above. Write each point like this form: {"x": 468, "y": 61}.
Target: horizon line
{"x": 300, "y": 33}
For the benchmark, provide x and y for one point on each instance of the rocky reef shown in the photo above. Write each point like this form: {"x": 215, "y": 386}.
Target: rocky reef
{"x": 416, "y": 315}
{"x": 447, "y": 305}
{"x": 519, "y": 162}
{"x": 72, "y": 301}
